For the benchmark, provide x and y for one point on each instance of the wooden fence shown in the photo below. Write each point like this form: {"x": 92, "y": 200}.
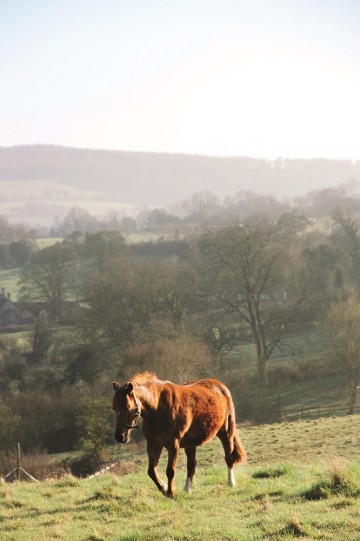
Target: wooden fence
{"x": 106, "y": 469}
{"x": 311, "y": 412}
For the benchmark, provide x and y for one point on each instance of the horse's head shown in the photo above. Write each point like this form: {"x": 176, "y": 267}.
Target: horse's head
{"x": 127, "y": 409}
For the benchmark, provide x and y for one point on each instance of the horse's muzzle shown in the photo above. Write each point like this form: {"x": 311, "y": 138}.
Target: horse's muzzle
{"x": 122, "y": 438}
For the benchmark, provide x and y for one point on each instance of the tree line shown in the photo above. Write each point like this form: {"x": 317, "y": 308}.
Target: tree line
{"x": 201, "y": 209}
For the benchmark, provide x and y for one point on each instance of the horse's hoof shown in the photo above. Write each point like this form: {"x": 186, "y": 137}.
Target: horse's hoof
{"x": 188, "y": 486}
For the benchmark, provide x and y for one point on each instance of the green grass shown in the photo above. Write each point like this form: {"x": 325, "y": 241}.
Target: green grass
{"x": 286, "y": 491}
{"x": 301, "y": 373}
{"x": 301, "y": 441}
{"x": 130, "y": 508}
{"x": 47, "y": 242}
{"x": 147, "y": 236}
{"x": 9, "y": 280}
{"x": 38, "y": 202}
{"x": 310, "y": 343}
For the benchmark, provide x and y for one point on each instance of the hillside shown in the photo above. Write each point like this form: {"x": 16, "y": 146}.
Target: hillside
{"x": 162, "y": 179}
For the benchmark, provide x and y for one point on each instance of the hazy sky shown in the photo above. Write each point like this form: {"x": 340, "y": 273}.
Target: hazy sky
{"x": 263, "y": 78}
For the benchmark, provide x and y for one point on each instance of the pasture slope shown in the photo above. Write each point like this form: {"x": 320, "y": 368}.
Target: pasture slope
{"x": 302, "y": 481}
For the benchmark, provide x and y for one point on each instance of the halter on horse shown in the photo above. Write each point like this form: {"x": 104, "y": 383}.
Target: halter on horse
{"x": 174, "y": 417}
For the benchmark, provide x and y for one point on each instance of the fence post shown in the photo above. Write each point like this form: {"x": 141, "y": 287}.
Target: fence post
{"x": 18, "y": 467}
{"x": 17, "y": 471}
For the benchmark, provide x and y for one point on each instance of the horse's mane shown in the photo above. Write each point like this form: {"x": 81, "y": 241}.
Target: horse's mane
{"x": 144, "y": 377}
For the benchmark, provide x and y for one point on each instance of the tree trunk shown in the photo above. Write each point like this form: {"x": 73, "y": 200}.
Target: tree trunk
{"x": 262, "y": 374}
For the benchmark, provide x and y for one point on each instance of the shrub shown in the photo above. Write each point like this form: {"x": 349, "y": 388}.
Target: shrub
{"x": 36, "y": 463}
{"x": 340, "y": 481}
{"x": 180, "y": 359}
{"x": 284, "y": 374}
{"x": 272, "y": 472}
{"x": 44, "y": 420}
{"x": 85, "y": 464}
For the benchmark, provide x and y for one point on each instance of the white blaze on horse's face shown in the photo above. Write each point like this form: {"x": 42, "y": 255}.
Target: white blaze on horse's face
{"x": 127, "y": 411}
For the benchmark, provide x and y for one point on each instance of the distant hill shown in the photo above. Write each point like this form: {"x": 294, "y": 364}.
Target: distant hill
{"x": 139, "y": 178}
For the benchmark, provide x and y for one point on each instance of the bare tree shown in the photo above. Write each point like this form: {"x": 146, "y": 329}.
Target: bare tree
{"x": 104, "y": 245}
{"x": 245, "y": 271}
{"x": 350, "y": 243}
{"x": 202, "y": 207}
{"x": 130, "y": 302}
{"x": 47, "y": 279}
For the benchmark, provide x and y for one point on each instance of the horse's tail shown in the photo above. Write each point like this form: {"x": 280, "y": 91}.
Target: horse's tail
{"x": 234, "y": 450}
{"x": 238, "y": 454}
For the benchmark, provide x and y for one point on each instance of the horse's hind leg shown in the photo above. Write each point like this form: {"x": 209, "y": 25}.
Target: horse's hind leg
{"x": 191, "y": 465}
{"x": 154, "y": 452}
{"x": 173, "y": 453}
{"x": 229, "y": 459}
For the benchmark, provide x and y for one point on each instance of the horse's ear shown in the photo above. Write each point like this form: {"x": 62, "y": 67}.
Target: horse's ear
{"x": 129, "y": 388}
{"x": 116, "y": 386}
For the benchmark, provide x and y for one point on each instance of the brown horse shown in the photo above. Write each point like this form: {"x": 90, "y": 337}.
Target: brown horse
{"x": 175, "y": 416}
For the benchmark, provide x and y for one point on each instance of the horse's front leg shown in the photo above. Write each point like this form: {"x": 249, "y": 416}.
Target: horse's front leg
{"x": 154, "y": 451}
{"x": 173, "y": 453}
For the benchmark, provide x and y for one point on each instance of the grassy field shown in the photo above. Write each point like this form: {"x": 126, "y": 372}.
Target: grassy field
{"x": 38, "y": 202}
{"x": 302, "y": 481}
{"x": 47, "y": 242}
{"x": 302, "y": 375}
{"x": 9, "y": 280}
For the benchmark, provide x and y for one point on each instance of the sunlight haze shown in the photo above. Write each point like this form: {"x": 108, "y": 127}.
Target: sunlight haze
{"x": 232, "y": 78}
